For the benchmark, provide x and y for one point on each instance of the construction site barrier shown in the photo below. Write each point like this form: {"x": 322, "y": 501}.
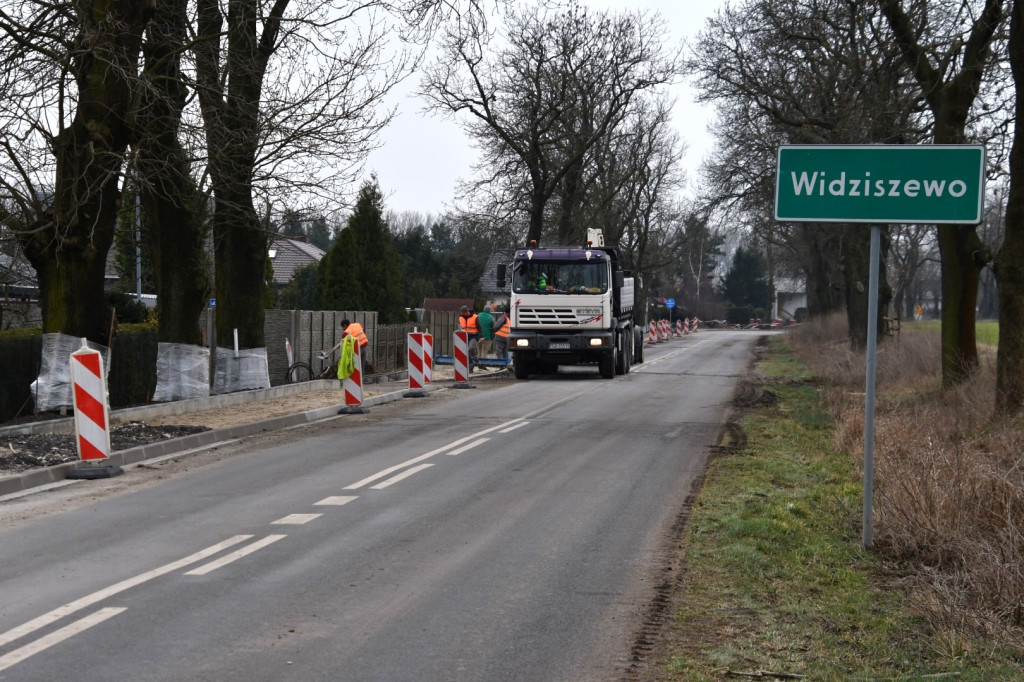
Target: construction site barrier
{"x": 352, "y": 385}
{"x": 460, "y": 358}
{"x": 92, "y": 411}
{"x": 417, "y": 364}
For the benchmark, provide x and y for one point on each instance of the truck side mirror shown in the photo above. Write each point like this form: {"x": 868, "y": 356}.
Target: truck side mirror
{"x": 501, "y": 275}
{"x": 620, "y": 279}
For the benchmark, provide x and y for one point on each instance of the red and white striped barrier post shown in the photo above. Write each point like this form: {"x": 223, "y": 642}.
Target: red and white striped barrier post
{"x": 679, "y": 327}
{"x": 352, "y": 385}
{"x": 651, "y": 336}
{"x": 417, "y": 380}
{"x": 92, "y": 414}
{"x": 695, "y": 324}
{"x": 687, "y": 326}
{"x": 460, "y": 359}
{"x": 428, "y": 357}
{"x": 664, "y": 330}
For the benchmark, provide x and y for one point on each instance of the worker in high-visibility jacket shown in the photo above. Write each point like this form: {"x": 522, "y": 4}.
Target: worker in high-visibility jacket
{"x": 354, "y": 329}
{"x": 502, "y": 326}
{"x": 468, "y": 323}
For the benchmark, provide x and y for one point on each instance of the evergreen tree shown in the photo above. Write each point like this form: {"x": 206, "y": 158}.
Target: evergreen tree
{"x": 362, "y": 270}
{"x": 299, "y": 293}
{"x": 319, "y": 233}
{"x": 746, "y": 283}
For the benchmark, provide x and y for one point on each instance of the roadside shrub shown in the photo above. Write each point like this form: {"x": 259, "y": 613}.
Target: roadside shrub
{"x": 949, "y": 478}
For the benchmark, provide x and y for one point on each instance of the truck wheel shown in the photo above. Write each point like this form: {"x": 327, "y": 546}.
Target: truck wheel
{"x": 638, "y": 346}
{"x": 521, "y": 368}
{"x": 622, "y": 360}
{"x": 606, "y": 365}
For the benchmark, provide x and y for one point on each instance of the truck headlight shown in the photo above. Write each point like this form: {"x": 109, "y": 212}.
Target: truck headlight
{"x": 596, "y": 341}
{"x": 522, "y": 343}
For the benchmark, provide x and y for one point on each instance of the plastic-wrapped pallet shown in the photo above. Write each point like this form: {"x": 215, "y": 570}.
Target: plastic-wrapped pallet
{"x": 245, "y": 372}
{"x": 52, "y": 390}
{"x": 182, "y": 372}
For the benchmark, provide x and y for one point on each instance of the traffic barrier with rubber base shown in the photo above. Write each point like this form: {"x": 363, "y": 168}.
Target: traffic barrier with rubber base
{"x": 352, "y": 385}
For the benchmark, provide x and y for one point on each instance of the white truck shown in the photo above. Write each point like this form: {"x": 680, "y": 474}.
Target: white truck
{"x": 572, "y": 306}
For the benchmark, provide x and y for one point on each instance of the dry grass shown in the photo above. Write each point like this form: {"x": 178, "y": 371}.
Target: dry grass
{"x": 949, "y": 478}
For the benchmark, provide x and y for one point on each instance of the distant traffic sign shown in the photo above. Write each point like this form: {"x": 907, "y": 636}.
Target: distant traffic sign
{"x": 670, "y": 303}
{"x": 880, "y": 183}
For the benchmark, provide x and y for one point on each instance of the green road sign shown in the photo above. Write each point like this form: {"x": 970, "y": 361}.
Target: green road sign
{"x": 880, "y": 183}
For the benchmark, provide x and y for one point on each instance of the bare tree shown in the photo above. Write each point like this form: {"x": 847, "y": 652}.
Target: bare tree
{"x": 173, "y": 208}
{"x": 67, "y": 93}
{"x": 948, "y": 57}
{"x": 290, "y": 93}
{"x": 561, "y": 81}
{"x": 800, "y": 72}
{"x": 1010, "y": 260}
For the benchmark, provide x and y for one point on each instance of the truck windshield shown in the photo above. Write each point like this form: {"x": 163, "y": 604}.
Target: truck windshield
{"x": 551, "y": 277}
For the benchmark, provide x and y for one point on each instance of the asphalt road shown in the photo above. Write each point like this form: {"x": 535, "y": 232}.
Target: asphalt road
{"x": 502, "y": 534}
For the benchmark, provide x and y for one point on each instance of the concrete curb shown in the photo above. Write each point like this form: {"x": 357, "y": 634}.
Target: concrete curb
{"x": 27, "y": 480}
{"x": 19, "y": 483}
{"x": 142, "y": 412}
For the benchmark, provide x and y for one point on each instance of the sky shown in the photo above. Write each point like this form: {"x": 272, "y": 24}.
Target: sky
{"x": 424, "y": 155}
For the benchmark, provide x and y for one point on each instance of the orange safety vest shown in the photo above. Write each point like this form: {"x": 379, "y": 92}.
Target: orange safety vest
{"x": 355, "y": 329}
{"x": 503, "y": 330}
{"x": 468, "y": 324}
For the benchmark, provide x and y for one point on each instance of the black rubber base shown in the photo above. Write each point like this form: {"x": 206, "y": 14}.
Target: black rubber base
{"x": 354, "y": 409}
{"x": 93, "y": 472}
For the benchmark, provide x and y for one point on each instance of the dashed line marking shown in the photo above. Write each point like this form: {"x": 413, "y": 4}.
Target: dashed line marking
{"x": 236, "y": 555}
{"x": 295, "y": 519}
{"x": 88, "y": 600}
{"x": 335, "y": 500}
{"x": 405, "y": 474}
{"x": 54, "y": 638}
{"x": 469, "y": 446}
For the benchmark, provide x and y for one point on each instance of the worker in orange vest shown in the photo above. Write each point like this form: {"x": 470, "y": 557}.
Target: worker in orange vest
{"x": 468, "y": 322}
{"x": 502, "y": 326}
{"x": 354, "y": 329}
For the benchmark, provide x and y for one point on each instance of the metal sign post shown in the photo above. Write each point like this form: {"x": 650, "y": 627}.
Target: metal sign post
{"x": 869, "y": 389}
{"x": 878, "y": 184}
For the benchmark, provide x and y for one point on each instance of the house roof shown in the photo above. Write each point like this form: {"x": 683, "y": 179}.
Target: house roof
{"x": 288, "y": 255}
{"x": 446, "y": 304}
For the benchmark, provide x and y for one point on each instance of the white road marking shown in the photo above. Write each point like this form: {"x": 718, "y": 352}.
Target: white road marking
{"x": 469, "y": 446}
{"x": 335, "y": 500}
{"x": 405, "y": 474}
{"x": 295, "y": 519}
{"x": 236, "y": 555}
{"x": 513, "y": 427}
{"x": 88, "y": 600}
{"x": 428, "y": 455}
{"x": 66, "y": 632}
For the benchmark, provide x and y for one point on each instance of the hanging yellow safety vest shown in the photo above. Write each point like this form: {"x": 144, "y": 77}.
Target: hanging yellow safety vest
{"x": 347, "y": 363}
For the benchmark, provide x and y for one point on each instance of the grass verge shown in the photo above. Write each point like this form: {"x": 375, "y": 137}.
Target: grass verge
{"x": 777, "y": 583}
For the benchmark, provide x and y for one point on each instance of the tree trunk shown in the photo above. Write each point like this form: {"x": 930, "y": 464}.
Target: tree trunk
{"x": 1010, "y": 261}
{"x": 240, "y": 249}
{"x": 857, "y": 269}
{"x": 824, "y": 291}
{"x": 172, "y": 204}
{"x": 68, "y": 245}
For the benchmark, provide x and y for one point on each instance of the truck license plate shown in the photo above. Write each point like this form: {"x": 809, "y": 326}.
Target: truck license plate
{"x": 561, "y": 345}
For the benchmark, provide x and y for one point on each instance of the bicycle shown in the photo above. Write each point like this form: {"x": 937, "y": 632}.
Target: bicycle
{"x": 301, "y": 371}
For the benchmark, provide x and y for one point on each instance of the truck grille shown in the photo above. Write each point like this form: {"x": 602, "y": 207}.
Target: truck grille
{"x": 550, "y": 317}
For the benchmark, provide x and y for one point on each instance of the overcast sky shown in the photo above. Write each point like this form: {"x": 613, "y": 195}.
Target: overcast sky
{"x": 423, "y": 156}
